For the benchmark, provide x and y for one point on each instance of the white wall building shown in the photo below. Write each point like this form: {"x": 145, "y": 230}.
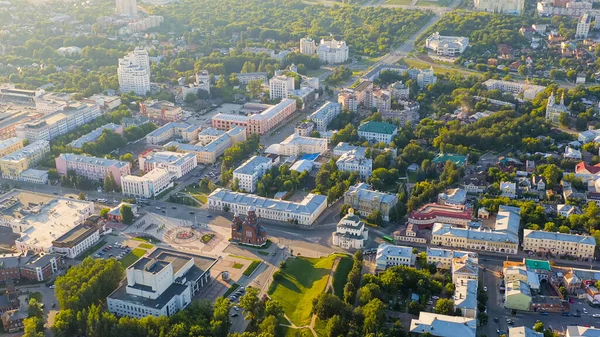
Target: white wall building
{"x": 447, "y": 45}
{"x": 280, "y": 86}
{"x": 76, "y": 241}
{"x": 426, "y": 77}
{"x": 350, "y": 232}
{"x": 376, "y": 132}
{"x": 127, "y": 8}
{"x": 304, "y": 212}
{"x": 178, "y": 164}
{"x": 353, "y": 161}
{"x": 501, "y": 6}
{"x": 391, "y": 255}
{"x": 308, "y": 46}
{"x": 34, "y": 176}
{"x": 149, "y": 185}
{"x": 332, "y": 51}
{"x": 295, "y": 145}
{"x": 134, "y": 72}
{"x": 529, "y": 91}
{"x": 251, "y": 171}
{"x": 325, "y": 114}
{"x": 583, "y": 26}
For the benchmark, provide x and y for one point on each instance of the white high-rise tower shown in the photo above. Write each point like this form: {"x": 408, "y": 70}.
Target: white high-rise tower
{"x": 134, "y": 72}
{"x": 127, "y": 7}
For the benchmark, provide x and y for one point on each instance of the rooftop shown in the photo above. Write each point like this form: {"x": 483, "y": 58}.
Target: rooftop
{"x": 75, "y": 235}
{"x": 71, "y": 157}
{"x": 252, "y": 165}
{"x": 94, "y": 135}
{"x": 305, "y": 207}
{"x": 522, "y": 331}
{"x": 384, "y": 250}
{"x": 538, "y": 264}
{"x": 9, "y": 142}
{"x": 517, "y": 287}
{"x": 324, "y": 110}
{"x": 274, "y": 110}
{"x": 581, "y": 239}
{"x": 455, "y": 158}
{"x": 581, "y": 331}
{"x": 167, "y": 157}
{"x": 27, "y": 151}
{"x": 365, "y": 192}
{"x": 465, "y": 295}
{"x": 173, "y": 125}
{"x": 378, "y": 127}
{"x": 443, "y": 325}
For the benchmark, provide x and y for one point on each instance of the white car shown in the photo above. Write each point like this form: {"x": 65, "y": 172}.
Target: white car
{"x": 596, "y": 315}
{"x": 585, "y": 311}
{"x": 484, "y": 288}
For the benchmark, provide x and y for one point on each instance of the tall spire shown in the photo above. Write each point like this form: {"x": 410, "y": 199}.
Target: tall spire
{"x": 562, "y": 99}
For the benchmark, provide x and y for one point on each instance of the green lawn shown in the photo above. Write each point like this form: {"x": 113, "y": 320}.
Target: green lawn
{"x": 231, "y": 289}
{"x": 146, "y": 246}
{"x": 289, "y": 332}
{"x": 340, "y": 277}
{"x": 37, "y": 296}
{"x": 416, "y": 63}
{"x": 130, "y": 258}
{"x": 197, "y": 193}
{"x": 263, "y": 253}
{"x": 320, "y": 327}
{"x": 251, "y": 268}
{"x": 237, "y": 265}
{"x": 303, "y": 279}
{"x": 440, "y": 3}
{"x": 397, "y": 2}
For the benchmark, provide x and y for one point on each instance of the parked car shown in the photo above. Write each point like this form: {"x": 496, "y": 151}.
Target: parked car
{"x": 585, "y": 311}
{"x": 576, "y": 314}
{"x": 566, "y": 314}
{"x": 544, "y": 313}
{"x": 484, "y": 288}
{"x": 496, "y": 319}
{"x": 192, "y": 212}
{"x": 596, "y": 315}
{"x": 235, "y": 314}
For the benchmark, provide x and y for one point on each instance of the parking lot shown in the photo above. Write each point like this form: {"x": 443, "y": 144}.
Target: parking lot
{"x": 111, "y": 241}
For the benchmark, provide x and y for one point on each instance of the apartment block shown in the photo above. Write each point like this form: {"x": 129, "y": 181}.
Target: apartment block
{"x": 185, "y": 131}
{"x": 332, "y": 51}
{"x": 324, "y": 115}
{"x": 295, "y": 145}
{"x": 246, "y": 78}
{"x": 134, "y": 72}
{"x": 529, "y": 91}
{"x": 308, "y": 46}
{"x": 251, "y": 171}
{"x": 207, "y": 154}
{"x": 581, "y": 246}
{"x": 91, "y": 167}
{"x": 178, "y": 164}
{"x": 280, "y": 86}
{"x": 363, "y": 198}
{"x": 94, "y": 135}
{"x": 12, "y": 165}
{"x": 503, "y": 6}
{"x": 163, "y": 111}
{"x": 348, "y": 101}
{"x": 355, "y": 161}
{"x": 149, "y": 185}
{"x": 10, "y": 145}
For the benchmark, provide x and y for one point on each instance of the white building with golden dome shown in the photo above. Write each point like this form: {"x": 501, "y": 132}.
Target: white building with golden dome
{"x": 350, "y": 233}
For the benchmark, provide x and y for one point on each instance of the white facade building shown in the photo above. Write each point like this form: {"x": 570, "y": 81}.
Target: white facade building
{"x": 583, "y": 26}
{"x": 127, "y": 8}
{"x": 160, "y": 284}
{"x": 446, "y": 45}
{"x": 149, "y": 185}
{"x": 76, "y": 241}
{"x": 325, "y": 114}
{"x": 501, "y": 6}
{"x": 178, "y": 164}
{"x": 426, "y": 77}
{"x": 12, "y": 165}
{"x": 308, "y": 46}
{"x": 391, "y": 255}
{"x": 304, "y": 212}
{"x": 34, "y": 176}
{"x": 134, "y": 72}
{"x": 280, "y": 86}
{"x": 529, "y": 91}
{"x": 350, "y": 232}
{"x": 332, "y": 51}
{"x": 376, "y": 132}
{"x": 353, "y": 161}
{"x": 295, "y": 145}
{"x": 559, "y": 243}
{"x": 251, "y": 171}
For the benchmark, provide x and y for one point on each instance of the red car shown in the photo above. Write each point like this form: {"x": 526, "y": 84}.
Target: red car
{"x": 571, "y": 300}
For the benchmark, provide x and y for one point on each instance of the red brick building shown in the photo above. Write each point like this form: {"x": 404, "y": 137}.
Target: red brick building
{"x": 249, "y": 231}
{"x": 28, "y": 265}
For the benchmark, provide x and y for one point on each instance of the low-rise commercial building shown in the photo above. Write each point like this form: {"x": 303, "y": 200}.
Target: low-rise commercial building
{"x": 447, "y": 45}
{"x": 376, "y": 132}
{"x": 34, "y": 176}
{"x": 350, "y": 232}
{"x": 304, "y": 212}
{"x": 465, "y": 298}
{"x": 10, "y": 145}
{"x": 295, "y": 145}
{"x": 429, "y": 214}
{"x": 115, "y": 213}
{"x": 581, "y": 246}
{"x": 94, "y": 135}
{"x": 12, "y": 165}
{"x": 503, "y": 238}
{"x": 391, "y": 255}
{"x": 185, "y": 131}
{"x": 443, "y": 325}
{"x": 37, "y": 267}
{"x": 250, "y": 172}
{"x": 163, "y": 111}
{"x": 76, "y": 241}
{"x": 178, "y": 164}
{"x": 325, "y": 114}
{"x": 442, "y": 258}
{"x": 161, "y": 284}
{"x": 518, "y": 296}
{"x": 91, "y": 167}
{"x": 207, "y": 154}
{"x": 149, "y": 185}
{"x": 364, "y": 199}
{"x": 355, "y": 161}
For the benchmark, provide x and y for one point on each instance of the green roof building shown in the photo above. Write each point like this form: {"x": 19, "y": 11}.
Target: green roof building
{"x": 376, "y": 132}
{"x": 537, "y": 264}
{"x": 442, "y": 158}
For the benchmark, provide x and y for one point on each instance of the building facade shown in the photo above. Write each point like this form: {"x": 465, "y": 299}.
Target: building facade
{"x": 76, "y": 241}
{"x": 280, "y": 86}
{"x": 348, "y": 101}
{"x": 10, "y": 145}
{"x": 332, "y": 51}
{"x": 91, "y": 167}
{"x": 581, "y": 246}
{"x": 249, "y": 231}
{"x": 207, "y": 154}
{"x": 502, "y": 6}
{"x": 324, "y": 115}
{"x": 178, "y": 164}
{"x": 295, "y": 145}
{"x": 350, "y": 232}
{"x": 149, "y": 185}
{"x": 134, "y": 71}
{"x": 364, "y": 199}
{"x": 447, "y": 45}
{"x": 250, "y": 172}
{"x": 12, "y": 165}
{"x": 308, "y": 46}
{"x": 391, "y": 255}
{"x": 163, "y": 111}
{"x": 376, "y": 132}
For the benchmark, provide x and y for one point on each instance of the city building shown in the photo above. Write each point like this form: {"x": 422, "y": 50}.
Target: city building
{"x": 517, "y": 296}
{"x": 12, "y": 320}
{"x": 583, "y": 26}
{"x": 443, "y": 325}
{"x": 115, "y": 213}
{"x": 10, "y": 145}
{"x": 76, "y": 241}
{"x": 295, "y": 145}
{"x": 208, "y": 153}
{"x": 429, "y": 214}
{"x": 447, "y": 45}
{"x": 250, "y": 172}
{"x": 344, "y": 147}
{"x": 348, "y": 101}
{"x": 308, "y": 46}
{"x": 94, "y": 135}
{"x": 257, "y": 123}
{"x": 39, "y": 219}
{"x": 91, "y": 167}
{"x": 529, "y": 91}
{"x": 34, "y": 176}
{"x": 508, "y": 189}
{"x": 350, "y": 232}
{"x": 12, "y": 165}
{"x": 581, "y": 331}
{"x": 410, "y": 233}
{"x": 503, "y": 238}
{"x": 425, "y": 77}
{"x": 304, "y": 212}
{"x": 566, "y": 210}
{"x": 184, "y": 131}
{"x": 363, "y": 92}
{"x": 454, "y": 197}
{"x": 581, "y": 246}
{"x": 52, "y": 125}
{"x": 502, "y": 6}
{"x": 400, "y": 91}
{"x": 363, "y": 198}
{"x": 324, "y": 115}
{"x": 280, "y": 86}
{"x": 29, "y": 266}
{"x": 246, "y": 78}
{"x": 163, "y": 111}
{"x": 127, "y": 8}
{"x": 376, "y": 132}
{"x": 465, "y": 298}
{"x": 249, "y": 231}
{"x": 149, "y": 185}
{"x": 332, "y": 51}
{"x": 587, "y": 172}
{"x": 134, "y": 71}
{"x": 304, "y": 129}
{"x": 355, "y": 161}
{"x": 523, "y": 331}
{"x": 105, "y": 102}
{"x": 134, "y": 121}
{"x": 381, "y": 100}
{"x": 161, "y": 284}
{"x": 178, "y": 164}
{"x": 443, "y": 258}
{"x": 391, "y": 255}
{"x": 554, "y": 110}
{"x": 463, "y": 269}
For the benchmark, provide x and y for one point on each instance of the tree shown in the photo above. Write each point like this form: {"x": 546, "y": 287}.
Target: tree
{"x": 375, "y": 218}
{"x": 81, "y": 196}
{"x": 35, "y": 309}
{"x": 255, "y": 88}
{"x": 564, "y": 229}
{"x": 32, "y": 327}
{"x": 563, "y": 119}
{"x": 538, "y": 326}
{"x": 327, "y": 305}
{"x": 252, "y": 305}
{"x": 221, "y": 323}
{"x": 53, "y": 174}
{"x": 288, "y": 185}
{"x": 104, "y": 212}
{"x": 336, "y": 327}
{"x": 414, "y": 308}
{"x": 127, "y": 157}
{"x": 110, "y": 183}
{"x": 126, "y": 214}
{"x": 444, "y": 306}
{"x": 190, "y": 98}
{"x": 375, "y": 317}
{"x": 550, "y": 227}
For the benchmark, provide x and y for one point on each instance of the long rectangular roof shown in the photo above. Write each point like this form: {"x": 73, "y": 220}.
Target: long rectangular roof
{"x": 443, "y": 325}
{"x": 274, "y": 110}
{"x": 27, "y": 151}
{"x": 307, "y": 206}
{"x": 582, "y": 239}
{"x": 92, "y": 136}
{"x": 71, "y": 157}
{"x": 364, "y": 192}
{"x": 250, "y": 165}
